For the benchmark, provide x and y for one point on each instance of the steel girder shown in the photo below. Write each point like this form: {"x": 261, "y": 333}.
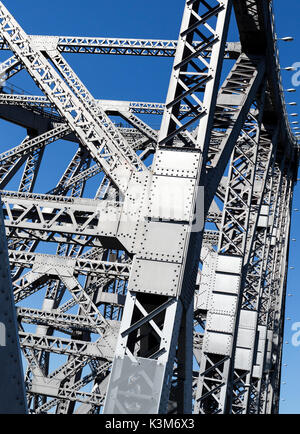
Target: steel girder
{"x": 12, "y": 397}
{"x": 145, "y": 300}
{"x": 253, "y": 268}
{"x": 164, "y": 328}
{"x": 269, "y": 396}
{"x": 116, "y": 46}
{"x": 220, "y": 340}
{"x": 111, "y": 107}
{"x": 88, "y": 122}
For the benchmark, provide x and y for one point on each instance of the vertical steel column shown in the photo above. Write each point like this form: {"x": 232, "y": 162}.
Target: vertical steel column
{"x": 215, "y": 381}
{"x": 12, "y": 395}
{"x": 261, "y": 281}
{"x": 269, "y": 290}
{"x": 163, "y": 277}
{"x": 276, "y": 314}
{"x": 246, "y": 348}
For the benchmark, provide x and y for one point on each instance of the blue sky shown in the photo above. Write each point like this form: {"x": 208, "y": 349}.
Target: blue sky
{"x": 287, "y": 24}
{"x": 146, "y": 79}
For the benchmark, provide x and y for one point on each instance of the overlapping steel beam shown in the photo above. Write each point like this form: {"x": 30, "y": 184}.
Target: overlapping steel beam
{"x": 107, "y": 147}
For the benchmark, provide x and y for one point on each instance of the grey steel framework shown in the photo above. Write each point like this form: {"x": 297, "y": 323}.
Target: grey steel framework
{"x": 167, "y": 289}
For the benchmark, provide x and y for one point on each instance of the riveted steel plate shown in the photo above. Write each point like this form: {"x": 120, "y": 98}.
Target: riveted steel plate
{"x": 230, "y": 99}
{"x": 262, "y": 330}
{"x": 259, "y": 358}
{"x": 270, "y": 335}
{"x": 134, "y": 388}
{"x": 41, "y": 42}
{"x": 217, "y": 343}
{"x": 246, "y": 338}
{"x": 264, "y": 210}
{"x": 262, "y": 221}
{"x": 228, "y": 283}
{"x": 202, "y": 300}
{"x": 171, "y": 198}
{"x": 163, "y": 241}
{"x": 176, "y": 162}
{"x": 223, "y": 303}
{"x": 258, "y": 186}
{"x": 129, "y": 232}
{"x": 248, "y": 319}
{"x": 49, "y": 264}
{"x": 257, "y": 371}
{"x": 242, "y": 359}
{"x": 155, "y": 277}
{"x": 132, "y": 217}
{"x": 206, "y": 281}
{"x": 229, "y": 264}
{"x": 39, "y": 385}
{"x": 137, "y": 190}
{"x": 108, "y": 221}
{"x": 220, "y": 323}
{"x": 208, "y": 269}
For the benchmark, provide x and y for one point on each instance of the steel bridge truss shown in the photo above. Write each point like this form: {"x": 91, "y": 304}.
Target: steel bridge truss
{"x": 165, "y": 292}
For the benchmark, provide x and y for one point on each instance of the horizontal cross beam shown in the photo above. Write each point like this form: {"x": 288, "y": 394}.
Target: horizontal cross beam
{"x": 117, "y": 46}
{"x": 82, "y": 266}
